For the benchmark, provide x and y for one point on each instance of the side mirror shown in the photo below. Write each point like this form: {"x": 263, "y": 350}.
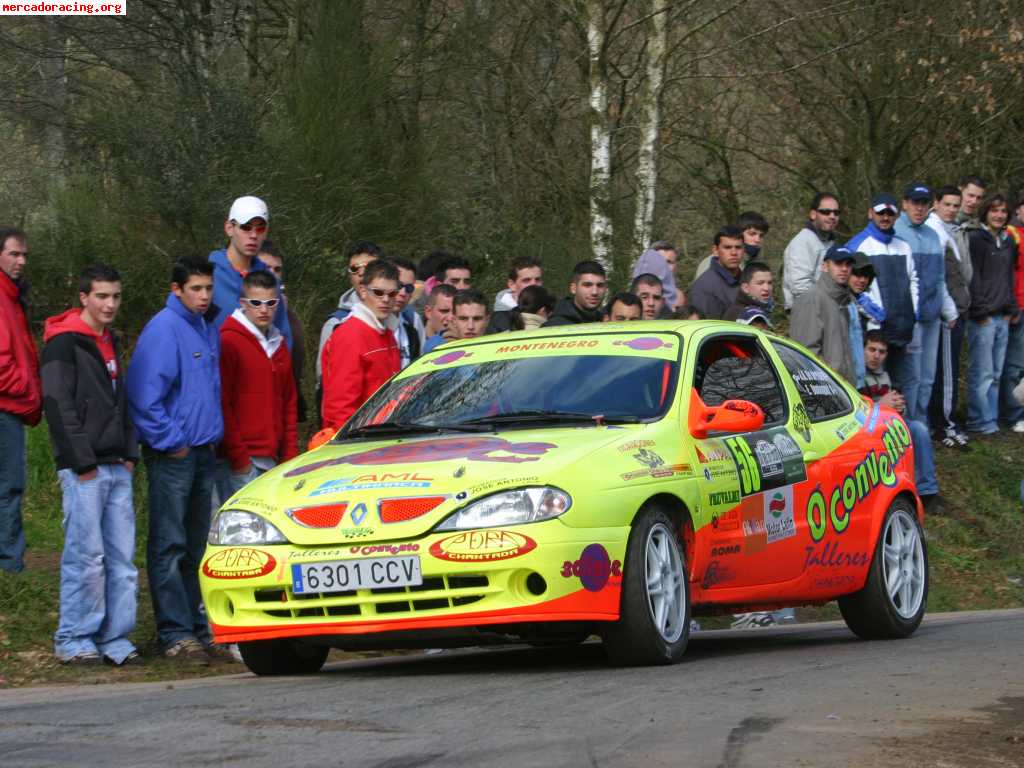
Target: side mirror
{"x": 730, "y": 416}
{"x": 321, "y": 437}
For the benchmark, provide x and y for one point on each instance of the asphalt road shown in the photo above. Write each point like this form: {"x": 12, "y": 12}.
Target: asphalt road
{"x": 806, "y": 695}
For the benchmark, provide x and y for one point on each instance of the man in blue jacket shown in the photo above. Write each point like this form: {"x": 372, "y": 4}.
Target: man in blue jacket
{"x": 933, "y": 299}
{"x": 174, "y": 401}
{"x": 246, "y": 228}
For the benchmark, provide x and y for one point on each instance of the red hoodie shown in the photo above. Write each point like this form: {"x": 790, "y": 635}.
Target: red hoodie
{"x": 71, "y": 322}
{"x": 21, "y": 392}
{"x": 357, "y": 359}
{"x": 258, "y": 398}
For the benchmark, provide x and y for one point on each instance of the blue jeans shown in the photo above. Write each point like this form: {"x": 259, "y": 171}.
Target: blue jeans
{"x": 903, "y": 364}
{"x": 227, "y": 483}
{"x": 1010, "y": 411}
{"x": 99, "y": 584}
{"x": 986, "y": 343}
{"x": 924, "y": 459}
{"x": 179, "y": 522}
{"x": 12, "y": 488}
{"x": 927, "y": 336}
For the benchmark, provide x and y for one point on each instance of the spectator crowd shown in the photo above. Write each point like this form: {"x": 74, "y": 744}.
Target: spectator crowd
{"x": 212, "y": 395}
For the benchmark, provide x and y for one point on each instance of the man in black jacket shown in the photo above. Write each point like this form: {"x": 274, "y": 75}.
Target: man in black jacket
{"x": 96, "y": 451}
{"x": 586, "y": 295}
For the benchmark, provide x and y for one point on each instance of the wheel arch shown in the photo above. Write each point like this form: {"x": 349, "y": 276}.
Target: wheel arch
{"x": 681, "y": 517}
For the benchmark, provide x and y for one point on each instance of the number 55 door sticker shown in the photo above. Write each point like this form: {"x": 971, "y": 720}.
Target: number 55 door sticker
{"x": 766, "y": 460}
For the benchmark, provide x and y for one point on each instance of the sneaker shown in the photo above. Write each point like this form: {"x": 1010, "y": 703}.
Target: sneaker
{"x": 133, "y": 659}
{"x": 753, "y": 620}
{"x": 187, "y": 650}
{"x": 226, "y": 653}
{"x": 694, "y": 625}
{"x": 85, "y": 659}
{"x": 961, "y": 438}
{"x": 948, "y": 439}
{"x": 934, "y": 504}
{"x": 1018, "y": 426}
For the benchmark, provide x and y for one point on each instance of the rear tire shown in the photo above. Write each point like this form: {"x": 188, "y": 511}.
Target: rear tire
{"x": 891, "y": 604}
{"x": 654, "y": 621}
{"x": 283, "y": 657}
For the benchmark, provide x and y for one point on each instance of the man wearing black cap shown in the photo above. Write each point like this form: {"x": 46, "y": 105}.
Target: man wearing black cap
{"x": 863, "y": 311}
{"x": 933, "y": 300}
{"x": 821, "y": 319}
{"x": 895, "y": 286}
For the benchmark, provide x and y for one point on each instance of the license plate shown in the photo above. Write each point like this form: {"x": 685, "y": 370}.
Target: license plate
{"x": 347, "y": 575}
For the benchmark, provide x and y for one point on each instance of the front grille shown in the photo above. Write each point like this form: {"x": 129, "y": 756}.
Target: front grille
{"x": 436, "y": 593}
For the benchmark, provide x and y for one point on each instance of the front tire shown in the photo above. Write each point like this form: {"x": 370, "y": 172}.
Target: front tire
{"x": 891, "y": 604}
{"x": 282, "y": 657}
{"x": 654, "y": 621}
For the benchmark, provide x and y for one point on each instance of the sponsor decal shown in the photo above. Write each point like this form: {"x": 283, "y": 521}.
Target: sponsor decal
{"x": 633, "y": 445}
{"x": 648, "y": 458}
{"x": 725, "y": 549}
{"x": 726, "y": 521}
{"x": 491, "y": 485}
{"x": 253, "y": 503}
{"x": 644, "y": 344}
{"x": 755, "y": 536}
{"x": 482, "y": 546}
{"x": 724, "y": 497}
{"x": 355, "y": 533}
{"x": 761, "y": 462}
{"x": 834, "y": 581}
{"x": 239, "y": 563}
{"x": 802, "y": 422}
{"x": 664, "y": 471}
{"x": 717, "y": 573}
{"x": 816, "y": 383}
{"x": 532, "y": 347}
{"x": 450, "y": 357}
{"x": 843, "y": 431}
{"x": 594, "y": 568}
{"x": 829, "y": 555}
{"x": 383, "y": 549}
{"x": 834, "y": 509}
{"x": 345, "y": 484}
{"x": 778, "y": 514}
{"x": 491, "y": 449}
{"x": 873, "y": 419}
{"x": 711, "y": 452}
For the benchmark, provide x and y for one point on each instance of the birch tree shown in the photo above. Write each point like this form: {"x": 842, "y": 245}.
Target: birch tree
{"x": 649, "y": 122}
{"x": 601, "y": 230}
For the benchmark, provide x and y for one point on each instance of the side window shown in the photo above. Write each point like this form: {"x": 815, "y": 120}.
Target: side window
{"x": 735, "y": 367}
{"x": 822, "y": 396}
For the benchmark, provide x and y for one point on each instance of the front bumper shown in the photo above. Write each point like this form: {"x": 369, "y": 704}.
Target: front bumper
{"x": 544, "y": 572}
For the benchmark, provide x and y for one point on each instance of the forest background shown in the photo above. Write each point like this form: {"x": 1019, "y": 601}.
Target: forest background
{"x": 488, "y": 128}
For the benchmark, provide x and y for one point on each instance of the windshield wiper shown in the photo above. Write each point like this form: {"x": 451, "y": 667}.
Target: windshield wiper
{"x": 550, "y": 417}
{"x": 406, "y": 427}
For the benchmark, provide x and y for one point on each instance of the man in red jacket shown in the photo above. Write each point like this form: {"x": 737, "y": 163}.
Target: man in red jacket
{"x": 258, "y": 395}
{"x": 21, "y": 397}
{"x": 361, "y": 354}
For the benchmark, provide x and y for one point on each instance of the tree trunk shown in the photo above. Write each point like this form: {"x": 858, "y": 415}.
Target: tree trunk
{"x": 650, "y": 124}
{"x": 600, "y": 138}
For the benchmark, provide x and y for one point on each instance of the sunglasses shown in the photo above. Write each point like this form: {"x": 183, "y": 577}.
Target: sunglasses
{"x": 259, "y": 229}
{"x": 407, "y": 287}
{"x": 356, "y": 269}
{"x": 380, "y": 293}
{"x": 257, "y": 303}
{"x": 828, "y": 211}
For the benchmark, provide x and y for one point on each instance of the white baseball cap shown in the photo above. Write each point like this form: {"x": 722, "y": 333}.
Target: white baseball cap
{"x": 247, "y": 208}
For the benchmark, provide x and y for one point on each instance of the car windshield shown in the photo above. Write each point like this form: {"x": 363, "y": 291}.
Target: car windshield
{"x": 562, "y": 389}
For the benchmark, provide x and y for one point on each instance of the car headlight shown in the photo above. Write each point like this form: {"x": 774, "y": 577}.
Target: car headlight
{"x": 233, "y": 527}
{"x": 523, "y": 505}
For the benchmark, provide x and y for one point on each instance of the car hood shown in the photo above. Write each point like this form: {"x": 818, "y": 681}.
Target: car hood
{"x": 385, "y": 490}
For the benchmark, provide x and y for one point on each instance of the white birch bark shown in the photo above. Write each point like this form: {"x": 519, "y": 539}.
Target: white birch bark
{"x": 600, "y": 139}
{"x": 649, "y": 124}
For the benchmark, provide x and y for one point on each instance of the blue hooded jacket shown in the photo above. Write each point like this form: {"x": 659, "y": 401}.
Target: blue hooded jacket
{"x": 930, "y": 261}
{"x": 227, "y": 290}
{"x": 173, "y": 383}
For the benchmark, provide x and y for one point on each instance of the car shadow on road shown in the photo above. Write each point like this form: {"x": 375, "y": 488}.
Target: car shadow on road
{"x": 589, "y": 655}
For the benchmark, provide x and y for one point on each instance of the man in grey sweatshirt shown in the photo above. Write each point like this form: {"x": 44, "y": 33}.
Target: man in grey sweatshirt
{"x": 801, "y": 261}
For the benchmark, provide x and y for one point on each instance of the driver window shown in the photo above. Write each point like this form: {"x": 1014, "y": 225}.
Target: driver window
{"x": 735, "y": 367}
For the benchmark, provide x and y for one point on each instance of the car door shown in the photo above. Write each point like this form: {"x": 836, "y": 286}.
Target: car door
{"x": 747, "y": 479}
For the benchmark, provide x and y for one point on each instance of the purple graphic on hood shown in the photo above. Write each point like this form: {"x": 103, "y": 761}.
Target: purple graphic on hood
{"x": 644, "y": 344}
{"x": 471, "y": 448}
{"x": 451, "y": 357}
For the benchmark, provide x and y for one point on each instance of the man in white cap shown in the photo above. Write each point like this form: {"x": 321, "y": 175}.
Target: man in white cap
{"x": 246, "y": 229}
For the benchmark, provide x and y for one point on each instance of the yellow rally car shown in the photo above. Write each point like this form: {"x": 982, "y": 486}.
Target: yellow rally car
{"x": 601, "y": 479}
